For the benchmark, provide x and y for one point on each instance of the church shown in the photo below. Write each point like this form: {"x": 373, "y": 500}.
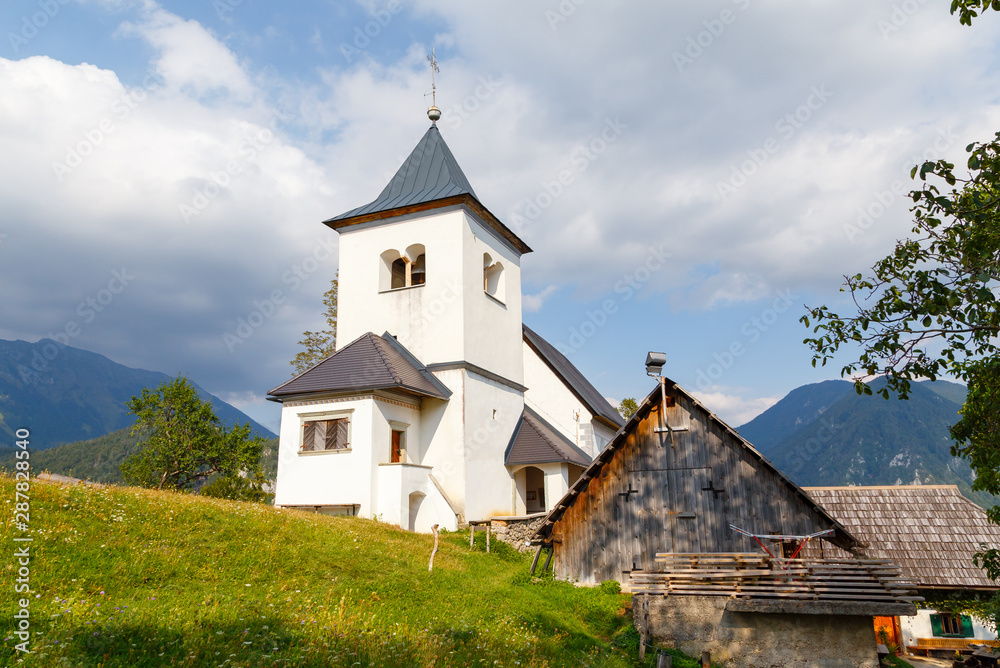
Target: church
{"x": 439, "y": 406}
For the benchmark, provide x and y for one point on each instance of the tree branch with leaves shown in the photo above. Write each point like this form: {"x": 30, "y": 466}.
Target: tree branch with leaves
{"x": 320, "y": 345}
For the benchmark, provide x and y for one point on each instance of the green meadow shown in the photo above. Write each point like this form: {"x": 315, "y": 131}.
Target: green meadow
{"x": 130, "y": 577}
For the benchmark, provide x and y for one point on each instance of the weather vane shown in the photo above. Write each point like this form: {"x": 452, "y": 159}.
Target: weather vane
{"x": 433, "y": 113}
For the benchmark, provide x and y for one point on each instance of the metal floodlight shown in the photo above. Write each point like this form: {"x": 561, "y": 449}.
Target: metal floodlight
{"x": 654, "y": 363}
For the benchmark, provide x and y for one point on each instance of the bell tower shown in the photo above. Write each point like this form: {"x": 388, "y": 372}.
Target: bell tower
{"x": 429, "y": 264}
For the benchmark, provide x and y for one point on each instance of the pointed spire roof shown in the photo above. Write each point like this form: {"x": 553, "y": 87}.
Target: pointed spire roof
{"x": 429, "y": 178}
{"x": 430, "y": 173}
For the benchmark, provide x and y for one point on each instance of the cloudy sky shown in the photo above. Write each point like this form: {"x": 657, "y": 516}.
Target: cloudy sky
{"x": 166, "y": 167}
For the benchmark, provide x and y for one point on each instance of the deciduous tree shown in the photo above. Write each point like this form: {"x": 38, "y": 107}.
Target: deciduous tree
{"x": 184, "y": 441}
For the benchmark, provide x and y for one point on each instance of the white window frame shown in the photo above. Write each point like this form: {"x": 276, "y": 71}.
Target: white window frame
{"x": 403, "y": 447}
{"x": 305, "y": 418}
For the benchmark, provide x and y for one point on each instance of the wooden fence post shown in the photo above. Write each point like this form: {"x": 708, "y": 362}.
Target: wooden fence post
{"x": 643, "y": 626}
{"x": 706, "y": 660}
{"x": 664, "y": 660}
{"x": 434, "y": 530}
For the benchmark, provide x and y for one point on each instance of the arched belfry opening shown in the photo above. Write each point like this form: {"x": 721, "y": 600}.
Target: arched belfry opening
{"x": 402, "y": 270}
{"x": 493, "y": 283}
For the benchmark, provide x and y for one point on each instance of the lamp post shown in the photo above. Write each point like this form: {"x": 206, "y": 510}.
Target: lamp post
{"x": 654, "y": 369}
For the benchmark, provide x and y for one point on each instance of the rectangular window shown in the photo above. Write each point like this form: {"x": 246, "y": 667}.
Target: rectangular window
{"x": 398, "y": 446}
{"x": 325, "y": 435}
{"x": 947, "y": 625}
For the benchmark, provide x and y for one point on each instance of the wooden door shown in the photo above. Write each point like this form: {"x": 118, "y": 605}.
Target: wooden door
{"x": 668, "y": 510}
{"x": 397, "y": 441}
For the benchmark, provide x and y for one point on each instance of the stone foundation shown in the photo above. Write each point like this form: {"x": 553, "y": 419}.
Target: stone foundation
{"x": 516, "y": 531}
{"x": 742, "y": 639}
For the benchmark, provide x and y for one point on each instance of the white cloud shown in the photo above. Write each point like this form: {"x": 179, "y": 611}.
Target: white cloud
{"x": 533, "y": 303}
{"x": 189, "y": 56}
{"x": 734, "y": 409}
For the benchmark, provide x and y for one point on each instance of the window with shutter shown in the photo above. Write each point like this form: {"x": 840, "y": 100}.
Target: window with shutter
{"x": 325, "y": 435}
{"x": 967, "y": 627}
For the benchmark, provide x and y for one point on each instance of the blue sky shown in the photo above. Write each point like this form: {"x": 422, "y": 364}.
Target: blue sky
{"x": 167, "y": 166}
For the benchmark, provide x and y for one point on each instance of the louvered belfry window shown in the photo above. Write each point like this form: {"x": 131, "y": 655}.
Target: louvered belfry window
{"x": 320, "y": 435}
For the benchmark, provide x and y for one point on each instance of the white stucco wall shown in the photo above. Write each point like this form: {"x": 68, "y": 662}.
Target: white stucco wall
{"x": 919, "y": 626}
{"x": 426, "y": 319}
{"x": 550, "y": 398}
{"x": 489, "y": 486}
{"x": 443, "y": 435}
{"x": 326, "y": 478}
{"x": 492, "y": 329}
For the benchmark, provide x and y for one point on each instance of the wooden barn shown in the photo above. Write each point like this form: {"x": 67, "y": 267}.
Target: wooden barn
{"x": 673, "y": 480}
{"x": 654, "y": 511}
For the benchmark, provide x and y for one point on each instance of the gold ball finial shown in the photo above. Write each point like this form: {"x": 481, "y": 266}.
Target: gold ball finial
{"x": 434, "y": 114}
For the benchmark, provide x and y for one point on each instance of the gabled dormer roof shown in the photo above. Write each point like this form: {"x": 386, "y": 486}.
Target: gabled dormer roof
{"x": 368, "y": 363}
{"x": 535, "y": 441}
{"x": 429, "y": 178}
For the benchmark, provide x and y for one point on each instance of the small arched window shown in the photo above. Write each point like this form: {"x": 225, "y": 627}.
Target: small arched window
{"x": 402, "y": 270}
{"x": 493, "y": 282}
{"x": 398, "y": 273}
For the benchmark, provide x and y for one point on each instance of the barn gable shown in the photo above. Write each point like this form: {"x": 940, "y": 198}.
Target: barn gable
{"x": 675, "y": 490}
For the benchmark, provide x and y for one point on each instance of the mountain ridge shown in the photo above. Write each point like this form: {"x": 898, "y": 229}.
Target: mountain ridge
{"x": 64, "y": 394}
{"x": 821, "y": 435}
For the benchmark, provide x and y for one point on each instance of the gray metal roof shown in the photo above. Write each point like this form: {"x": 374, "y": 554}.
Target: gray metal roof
{"x": 430, "y": 173}
{"x": 574, "y": 380}
{"x": 535, "y": 441}
{"x": 369, "y": 363}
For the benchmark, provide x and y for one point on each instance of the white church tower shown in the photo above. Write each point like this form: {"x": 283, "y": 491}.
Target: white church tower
{"x": 420, "y": 417}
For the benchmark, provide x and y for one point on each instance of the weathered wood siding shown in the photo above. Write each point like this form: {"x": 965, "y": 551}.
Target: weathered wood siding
{"x": 654, "y": 496}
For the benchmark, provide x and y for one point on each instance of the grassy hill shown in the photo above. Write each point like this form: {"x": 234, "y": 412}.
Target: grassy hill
{"x": 131, "y": 577}
{"x": 99, "y": 459}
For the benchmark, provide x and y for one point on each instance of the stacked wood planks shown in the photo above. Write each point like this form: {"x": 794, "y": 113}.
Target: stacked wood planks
{"x": 750, "y": 575}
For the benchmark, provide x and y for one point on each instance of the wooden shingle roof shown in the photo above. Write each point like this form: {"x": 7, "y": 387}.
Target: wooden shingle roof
{"x": 931, "y": 531}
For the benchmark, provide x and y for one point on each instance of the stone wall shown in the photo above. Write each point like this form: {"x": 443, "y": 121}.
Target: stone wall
{"x": 516, "y": 531}
{"x": 694, "y": 624}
